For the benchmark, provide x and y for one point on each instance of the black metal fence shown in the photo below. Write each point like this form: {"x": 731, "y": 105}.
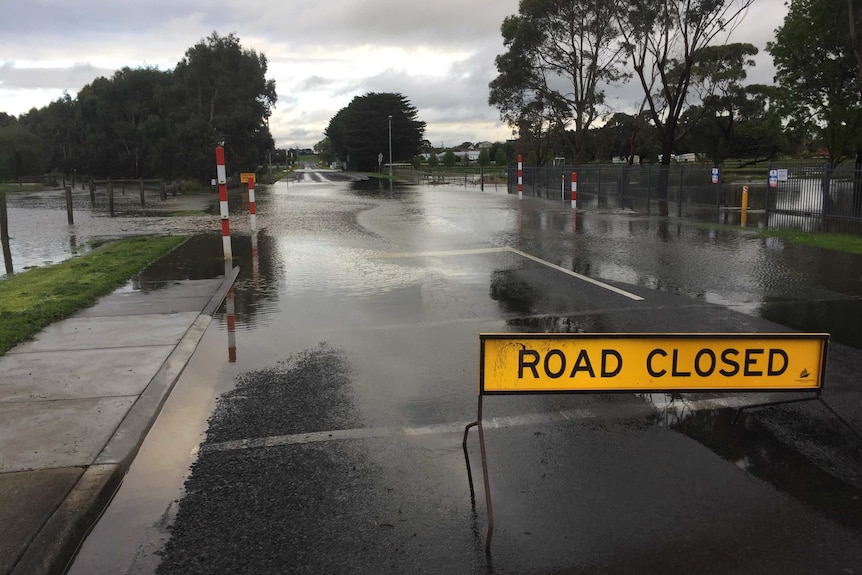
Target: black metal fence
{"x": 808, "y": 197}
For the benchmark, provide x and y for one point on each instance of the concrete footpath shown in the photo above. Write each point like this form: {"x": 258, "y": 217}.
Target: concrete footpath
{"x": 75, "y": 406}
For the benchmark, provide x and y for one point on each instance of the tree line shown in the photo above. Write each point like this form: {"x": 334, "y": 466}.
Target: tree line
{"x": 563, "y": 58}
{"x": 146, "y": 123}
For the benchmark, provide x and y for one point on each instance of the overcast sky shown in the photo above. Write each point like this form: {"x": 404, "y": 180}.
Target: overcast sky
{"x": 438, "y": 54}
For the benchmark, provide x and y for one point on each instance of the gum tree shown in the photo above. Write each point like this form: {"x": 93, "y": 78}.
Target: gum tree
{"x": 661, "y": 39}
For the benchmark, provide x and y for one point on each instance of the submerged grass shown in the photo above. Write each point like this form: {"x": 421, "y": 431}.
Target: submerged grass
{"x": 31, "y": 300}
{"x": 838, "y": 242}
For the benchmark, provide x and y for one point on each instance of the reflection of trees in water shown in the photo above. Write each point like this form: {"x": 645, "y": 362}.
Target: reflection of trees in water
{"x": 512, "y": 291}
{"x": 804, "y": 472}
{"x": 839, "y": 318}
{"x": 515, "y": 294}
{"x": 202, "y": 257}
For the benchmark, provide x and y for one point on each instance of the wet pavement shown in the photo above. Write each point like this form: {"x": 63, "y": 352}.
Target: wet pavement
{"x": 334, "y": 439}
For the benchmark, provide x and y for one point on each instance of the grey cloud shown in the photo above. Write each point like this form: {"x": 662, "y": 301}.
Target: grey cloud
{"x": 53, "y": 78}
{"x": 315, "y": 83}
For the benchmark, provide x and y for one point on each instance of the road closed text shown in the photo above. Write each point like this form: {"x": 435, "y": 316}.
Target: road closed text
{"x": 532, "y": 363}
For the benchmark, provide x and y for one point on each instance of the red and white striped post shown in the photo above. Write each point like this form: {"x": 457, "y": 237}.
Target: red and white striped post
{"x": 222, "y": 200}
{"x": 574, "y": 190}
{"x": 231, "y": 326}
{"x": 255, "y": 259}
{"x": 251, "y": 209}
{"x": 520, "y": 178}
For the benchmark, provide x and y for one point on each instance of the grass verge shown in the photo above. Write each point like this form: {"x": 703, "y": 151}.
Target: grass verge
{"x": 31, "y": 300}
{"x": 839, "y": 242}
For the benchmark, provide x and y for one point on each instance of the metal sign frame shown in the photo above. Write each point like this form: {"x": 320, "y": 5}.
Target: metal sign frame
{"x": 822, "y": 338}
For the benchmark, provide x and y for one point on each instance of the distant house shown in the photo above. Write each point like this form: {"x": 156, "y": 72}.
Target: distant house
{"x": 484, "y": 145}
{"x": 689, "y": 157}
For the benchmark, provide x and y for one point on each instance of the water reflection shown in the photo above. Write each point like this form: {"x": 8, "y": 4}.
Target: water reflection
{"x": 751, "y": 445}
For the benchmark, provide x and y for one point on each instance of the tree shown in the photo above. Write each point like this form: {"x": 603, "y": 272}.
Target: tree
{"x": 661, "y": 41}
{"x": 448, "y": 158}
{"x": 484, "y": 157}
{"x": 818, "y": 73}
{"x": 325, "y": 151}
{"x": 559, "y": 54}
{"x": 417, "y": 162}
{"x": 224, "y": 96}
{"x": 433, "y": 161}
{"x": 500, "y": 158}
{"x": 20, "y": 150}
{"x": 361, "y": 130}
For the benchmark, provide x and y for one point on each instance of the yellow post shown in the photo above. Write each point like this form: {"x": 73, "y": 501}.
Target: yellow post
{"x": 744, "y": 218}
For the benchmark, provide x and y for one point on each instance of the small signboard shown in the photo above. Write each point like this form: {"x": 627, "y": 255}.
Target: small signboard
{"x": 715, "y": 175}
{"x": 246, "y": 177}
{"x": 554, "y": 363}
{"x": 782, "y": 174}
{"x": 773, "y": 178}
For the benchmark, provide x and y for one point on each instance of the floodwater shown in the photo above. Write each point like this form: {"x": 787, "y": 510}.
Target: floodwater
{"x": 375, "y": 290}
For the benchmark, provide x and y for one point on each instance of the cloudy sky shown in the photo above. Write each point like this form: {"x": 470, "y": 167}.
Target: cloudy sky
{"x": 439, "y": 54}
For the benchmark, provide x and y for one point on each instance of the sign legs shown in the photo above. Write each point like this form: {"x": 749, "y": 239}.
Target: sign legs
{"x": 478, "y": 423}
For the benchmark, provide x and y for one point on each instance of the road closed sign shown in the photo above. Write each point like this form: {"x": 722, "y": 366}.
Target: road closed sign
{"x": 553, "y": 363}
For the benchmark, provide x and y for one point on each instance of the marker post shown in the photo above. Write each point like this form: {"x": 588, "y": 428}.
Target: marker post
{"x": 574, "y": 190}
{"x": 222, "y": 200}
{"x": 251, "y": 207}
{"x": 520, "y": 177}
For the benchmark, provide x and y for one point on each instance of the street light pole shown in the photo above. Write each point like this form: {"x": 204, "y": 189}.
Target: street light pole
{"x": 390, "y": 146}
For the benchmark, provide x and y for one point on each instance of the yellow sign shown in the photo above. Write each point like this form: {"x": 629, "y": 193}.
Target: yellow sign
{"x": 246, "y": 177}
{"x": 552, "y": 362}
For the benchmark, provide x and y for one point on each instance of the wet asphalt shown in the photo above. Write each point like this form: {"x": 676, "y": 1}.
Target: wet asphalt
{"x": 333, "y": 443}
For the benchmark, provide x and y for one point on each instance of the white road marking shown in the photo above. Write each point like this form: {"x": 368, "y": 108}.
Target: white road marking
{"x": 577, "y": 275}
{"x": 662, "y": 402}
{"x": 479, "y": 251}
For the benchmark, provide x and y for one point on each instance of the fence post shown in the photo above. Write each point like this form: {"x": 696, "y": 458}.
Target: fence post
{"x": 111, "y": 198}
{"x": 93, "y": 191}
{"x": 163, "y": 192}
{"x": 4, "y": 218}
{"x": 141, "y": 187}
{"x": 69, "y": 216}
{"x": 826, "y": 205}
{"x": 648, "y": 189}
{"x": 679, "y": 193}
{"x": 4, "y": 234}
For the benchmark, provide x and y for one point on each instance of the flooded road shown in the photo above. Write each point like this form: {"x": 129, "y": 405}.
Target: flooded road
{"x": 333, "y": 441}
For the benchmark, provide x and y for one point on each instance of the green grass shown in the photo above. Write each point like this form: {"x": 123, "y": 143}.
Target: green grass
{"x": 31, "y": 300}
{"x": 838, "y": 242}
{"x": 13, "y": 188}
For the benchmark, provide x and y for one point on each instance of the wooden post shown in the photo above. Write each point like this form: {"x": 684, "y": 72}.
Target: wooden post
{"x": 93, "y": 191}
{"x": 69, "y": 216}
{"x": 4, "y": 234}
{"x": 141, "y": 186}
{"x": 4, "y": 218}
{"x": 163, "y": 192}
{"x": 111, "y": 198}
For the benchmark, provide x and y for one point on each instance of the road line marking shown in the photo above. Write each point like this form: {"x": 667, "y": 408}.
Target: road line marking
{"x": 378, "y": 432}
{"x": 662, "y": 402}
{"x": 577, "y": 275}
{"x": 470, "y": 252}
{"x": 480, "y": 251}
